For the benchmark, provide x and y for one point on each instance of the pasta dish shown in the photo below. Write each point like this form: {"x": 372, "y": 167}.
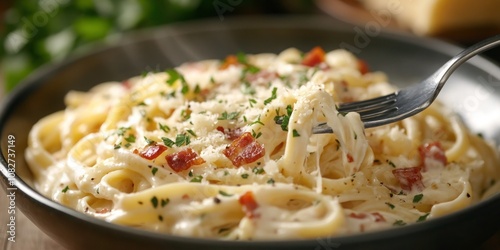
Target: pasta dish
{"x": 224, "y": 149}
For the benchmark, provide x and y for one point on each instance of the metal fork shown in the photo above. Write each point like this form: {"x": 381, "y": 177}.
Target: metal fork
{"x": 412, "y": 100}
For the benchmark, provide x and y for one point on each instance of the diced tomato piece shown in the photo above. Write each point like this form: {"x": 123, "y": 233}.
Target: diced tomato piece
{"x": 409, "y": 178}
{"x": 432, "y": 151}
{"x": 152, "y": 152}
{"x": 314, "y": 57}
{"x": 230, "y": 134}
{"x": 230, "y": 60}
{"x": 363, "y": 67}
{"x": 184, "y": 159}
{"x": 249, "y": 204}
{"x": 245, "y": 149}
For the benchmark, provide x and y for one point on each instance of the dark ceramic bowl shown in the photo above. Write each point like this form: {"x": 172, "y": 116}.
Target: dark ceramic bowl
{"x": 473, "y": 91}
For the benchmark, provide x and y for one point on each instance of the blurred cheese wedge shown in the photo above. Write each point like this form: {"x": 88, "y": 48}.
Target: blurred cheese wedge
{"x": 441, "y": 17}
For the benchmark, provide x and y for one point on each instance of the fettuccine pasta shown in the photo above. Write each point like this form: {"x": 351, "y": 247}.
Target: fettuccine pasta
{"x": 224, "y": 149}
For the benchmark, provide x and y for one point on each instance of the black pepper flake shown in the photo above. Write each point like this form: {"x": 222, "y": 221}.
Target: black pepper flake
{"x": 468, "y": 195}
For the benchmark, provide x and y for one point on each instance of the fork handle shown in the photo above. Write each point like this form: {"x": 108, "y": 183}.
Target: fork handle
{"x": 449, "y": 67}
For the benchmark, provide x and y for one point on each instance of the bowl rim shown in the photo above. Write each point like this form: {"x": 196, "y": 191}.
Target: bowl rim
{"x": 32, "y": 82}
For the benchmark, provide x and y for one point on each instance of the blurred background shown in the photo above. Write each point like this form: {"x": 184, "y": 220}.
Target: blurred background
{"x": 36, "y": 32}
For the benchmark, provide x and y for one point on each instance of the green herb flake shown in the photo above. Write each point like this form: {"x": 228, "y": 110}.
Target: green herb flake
{"x": 399, "y": 223}
{"x": 417, "y": 198}
{"x": 130, "y": 138}
{"x": 295, "y": 133}
{"x": 154, "y": 170}
{"x": 168, "y": 142}
{"x": 255, "y": 134}
{"x": 257, "y": 170}
{"x": 154, "y": 201}
{"x": 244, "y": 176}
{"x": 182, "y": 139}
{"x": 164, "y": 202}
{"x": 273, "y": 96}
{"x": 270, "y": 181}
{"x": 228, "y": 116}
{"x": 224, "y": 193}
{"x": 173, "y": 76}
{"x": 65, "y": 189}
{"x": 391, "y": 163}
{"x": 191, "y": 132}
{"x": 197, "y": 178}
{"x": 165, "y": 128}
{"x": 148, "y": 141}
{"x": 390, "y": 205}
{"x": 422, "y": 218}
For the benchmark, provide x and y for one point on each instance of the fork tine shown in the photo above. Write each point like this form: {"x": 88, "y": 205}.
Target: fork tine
{"x": 370, "y": 104}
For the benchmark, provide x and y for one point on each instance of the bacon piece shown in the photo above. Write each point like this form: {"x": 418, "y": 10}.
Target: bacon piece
{"x": 363, "y": 67}
{"x": 245, "y": 149}
{"x": 230, "y": 60}
{"x": 357, "y": 216}
{"x": 152, "y": 152}
{"x": 314, "y": 57}
{"x": 409, "y": 178}
{"x": 183, "y": 160}
{"x": 378, "y": 217}
{"x": 249, "y": 204}
{"x": 264, "y": 76}
{"x": 230, "y": 134}
{"x": 432, "y": 151}
{"x": 349, "y": 158}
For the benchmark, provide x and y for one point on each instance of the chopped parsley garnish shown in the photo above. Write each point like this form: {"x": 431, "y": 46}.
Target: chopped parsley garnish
{"x": 273, "y": 96}
{"x": 148, "y": 141}
{"x": 154, "y": 201}
{"x": 255, "y": 134}
{"x": 283, "y": 120}
{"x": 244, "y": 176}
{"x": 164, "y": 202}
{"x": 417, "y": 198}
{"x": 65, "y": 189}
{"x": 422, "y": 218}
{"x": 173, "y": 76}
{"x": 165, "y": 128}
{"x": 182, "y": 139}
{"x": 154, "y": 170}
{"x": 224, "y": 193}
{"x": 391, "y": 163}
{"x": 295, "y": 133}
{"x": 257, "y": 170}
{"x": 228, "y": 116}
{"x": 390, "y": 205}
{"x": 122, "y": 130}
{"x": 270, "y": 181}
{"x": 197, "y": 178}
{"x": 130, "y": 138}
{"x": 247, "y": 89}
{"x": 168, "y": 142}
{"x": 399, "y": 223}
{"x": 257, "y": 122}
{"x": 191, "y": 132}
